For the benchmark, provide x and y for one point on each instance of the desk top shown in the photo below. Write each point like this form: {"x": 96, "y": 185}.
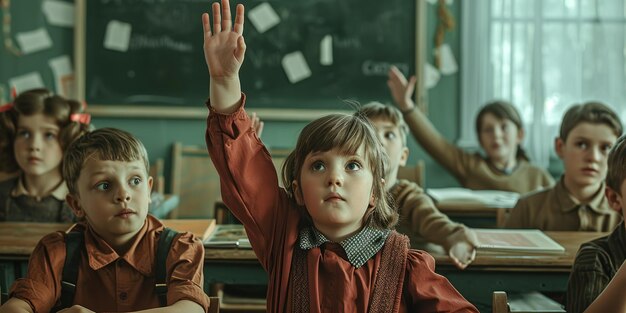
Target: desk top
{"x": 19, "y": 239}
{"x": 469, "y": 206}
{"x": 570, "y": 240}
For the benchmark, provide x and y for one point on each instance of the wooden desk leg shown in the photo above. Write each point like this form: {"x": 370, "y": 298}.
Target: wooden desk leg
{"x": 500, "y": 218}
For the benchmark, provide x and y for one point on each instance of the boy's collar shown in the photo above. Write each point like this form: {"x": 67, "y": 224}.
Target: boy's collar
{"x": 58, "y": 193}
{"x": 569, "y": 203}
{"x": 359, "y": 248}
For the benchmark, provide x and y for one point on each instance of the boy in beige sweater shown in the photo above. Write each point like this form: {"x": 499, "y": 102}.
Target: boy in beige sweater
{"x": 419, "y": 218}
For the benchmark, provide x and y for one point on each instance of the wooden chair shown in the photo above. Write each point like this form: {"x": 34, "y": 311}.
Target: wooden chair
{"x": 195, "y": 180}
{"x": 413, "y": 173}
{"x": 531, "y": 302}
{"x": 214, "y": 306}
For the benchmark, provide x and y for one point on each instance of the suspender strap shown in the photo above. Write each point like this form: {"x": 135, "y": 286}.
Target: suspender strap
{"x": 73, "y": 245}
{"x": 163, "y": 249}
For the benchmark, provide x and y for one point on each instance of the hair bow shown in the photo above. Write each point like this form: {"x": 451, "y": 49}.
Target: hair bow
{"x": 6, "y": 107}
{"x": 83, "y": 118}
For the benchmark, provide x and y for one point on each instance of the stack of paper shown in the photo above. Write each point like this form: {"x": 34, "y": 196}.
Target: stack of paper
{"x": 489, "y": 198}
{"x": 516, "y": 240}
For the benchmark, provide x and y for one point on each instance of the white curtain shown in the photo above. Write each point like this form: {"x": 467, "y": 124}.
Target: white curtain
{"x": 543, "y": 56}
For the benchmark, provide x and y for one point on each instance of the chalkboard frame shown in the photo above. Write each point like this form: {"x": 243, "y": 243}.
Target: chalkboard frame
{"x": 276, "y": 114}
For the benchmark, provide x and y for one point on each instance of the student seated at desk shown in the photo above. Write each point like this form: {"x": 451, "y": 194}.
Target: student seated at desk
{"x": 499, "y": 126}
{"x": 326, "y": 241}
{"x": 577, "y": 201}
{"x": 35, "y": 129}
{"x": 419, "y": 218}
{"x": 597, "y": 261}
{"x": 116, "y": 245}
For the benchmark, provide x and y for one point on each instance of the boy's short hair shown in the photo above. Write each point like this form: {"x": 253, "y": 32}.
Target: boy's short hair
{"x": 375, "y": 110}
{"x": 616, "y": 172}
{"x": 105, "y": 144}
{"x": 590, "y": 112}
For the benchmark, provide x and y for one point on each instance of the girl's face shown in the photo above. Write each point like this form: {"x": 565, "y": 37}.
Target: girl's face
{"x": 499, "y": 137}
{"x": 336, "y": 189}
{"x": 36, "y": 146}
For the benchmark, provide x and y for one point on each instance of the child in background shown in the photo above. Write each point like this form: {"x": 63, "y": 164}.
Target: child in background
{"x": 326, "y": 240}
{"x": 500, "y": 132}
{"x": 576, "y": 202}
{"x": 35, "y": 129}
{"x": 419, "y": 218}
{"x": 598, "y": 261}
{"x": 109, "y": 188}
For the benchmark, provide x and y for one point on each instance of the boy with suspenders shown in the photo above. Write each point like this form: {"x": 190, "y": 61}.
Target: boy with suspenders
{"x": 119, "y": 259}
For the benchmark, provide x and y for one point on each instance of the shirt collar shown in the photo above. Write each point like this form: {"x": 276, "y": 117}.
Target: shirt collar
{"x": 359, "y": 248}
{"x": 59, "y": 192}
{"x": 568, "y": 203}
{"x": 139, "y": 255}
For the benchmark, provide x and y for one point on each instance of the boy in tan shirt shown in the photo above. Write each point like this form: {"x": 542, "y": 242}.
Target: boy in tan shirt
{"x": 577, "y": 201}
{"x": 419, "y": 218}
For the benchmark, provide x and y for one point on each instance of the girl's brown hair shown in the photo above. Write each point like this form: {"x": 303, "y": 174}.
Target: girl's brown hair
{"x": 504, "y": 111}
{"x": 346, "y": 133}
{"x": 32, "y": 102}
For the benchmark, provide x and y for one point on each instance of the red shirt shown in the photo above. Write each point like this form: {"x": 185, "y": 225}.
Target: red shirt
{"x": 250, "y": 189}
{"x": 108, "y": 282}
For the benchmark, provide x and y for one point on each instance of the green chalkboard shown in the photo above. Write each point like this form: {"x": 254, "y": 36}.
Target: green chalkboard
{"x": 160, "y": 60}
{"x": 26, "y": 17}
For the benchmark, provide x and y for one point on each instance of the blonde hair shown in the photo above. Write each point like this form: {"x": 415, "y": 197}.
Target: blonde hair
{"x": 33, "y": 102}
{"x": 104, "y": 144}
{"x": 346, "y": 133}
{"x": 374, "y": 110}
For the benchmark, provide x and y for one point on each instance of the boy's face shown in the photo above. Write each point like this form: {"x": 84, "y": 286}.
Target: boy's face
{"x": 499, "y": 137}
{"x": 113, "y": 196}
{"x": 391, "y": 138}
{"x": 585, "y": 152}
{"x": 336, "y": 189}
{"x": 36, "y": 146}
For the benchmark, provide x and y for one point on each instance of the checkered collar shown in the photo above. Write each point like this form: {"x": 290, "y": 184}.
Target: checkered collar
{"x": 359, "y": 248}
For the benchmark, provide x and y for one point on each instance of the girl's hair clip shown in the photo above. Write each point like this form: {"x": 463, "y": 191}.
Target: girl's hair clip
{"x": 83, "y": 118}
{"x": 6, "y": 107}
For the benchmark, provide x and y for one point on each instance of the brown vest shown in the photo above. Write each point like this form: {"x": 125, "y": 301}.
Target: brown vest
{"x": 387, "y": 290}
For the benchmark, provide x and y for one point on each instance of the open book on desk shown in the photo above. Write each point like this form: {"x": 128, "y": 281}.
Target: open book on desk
{"x": 488, "y": 198}
{"x": 228, "y": 236}
{"x": 516, "y": 240}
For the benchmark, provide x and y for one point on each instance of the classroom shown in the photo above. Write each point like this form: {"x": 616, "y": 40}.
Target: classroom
{"x": 138, "y": 66}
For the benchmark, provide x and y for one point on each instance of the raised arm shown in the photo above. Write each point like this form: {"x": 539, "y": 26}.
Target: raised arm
{"x": 422, "y": 129}
{"x": 224, "y": 50}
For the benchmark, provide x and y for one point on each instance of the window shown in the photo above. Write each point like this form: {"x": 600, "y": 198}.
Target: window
{"x": 543, "y": 56}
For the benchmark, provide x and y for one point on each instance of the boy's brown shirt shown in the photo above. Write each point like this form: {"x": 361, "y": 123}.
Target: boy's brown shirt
{"x": 108, "y": 282}
{"x": 553, "y": 209}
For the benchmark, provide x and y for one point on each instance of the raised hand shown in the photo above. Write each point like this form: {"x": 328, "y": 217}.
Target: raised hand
{"x": 401, "y": 90}
{"x": 224, "y": 47}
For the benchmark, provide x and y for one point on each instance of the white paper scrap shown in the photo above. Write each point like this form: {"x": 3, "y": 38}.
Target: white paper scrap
{"x": 59, "y": 13}
{"x": 431, "y": 76}
{"x": 117, "y": 36}
{"x": 26, "y": 82}
{"x": 295, "y": 67}
{"x": 448, "y": 62}
{"x": 62, "y": 71}
{"x": 263, "y": 17}
{"x": 34, "y": 41}
{"x": 326, "y": 50}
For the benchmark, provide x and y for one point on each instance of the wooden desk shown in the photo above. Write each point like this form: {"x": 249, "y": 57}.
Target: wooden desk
{"x": 18, "y": 240}
{"x": 474, "y": 214}
{"x": 513, "y": 273}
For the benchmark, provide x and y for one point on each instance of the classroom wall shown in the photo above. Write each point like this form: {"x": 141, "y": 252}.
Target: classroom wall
{"x": 159, "y": 134}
